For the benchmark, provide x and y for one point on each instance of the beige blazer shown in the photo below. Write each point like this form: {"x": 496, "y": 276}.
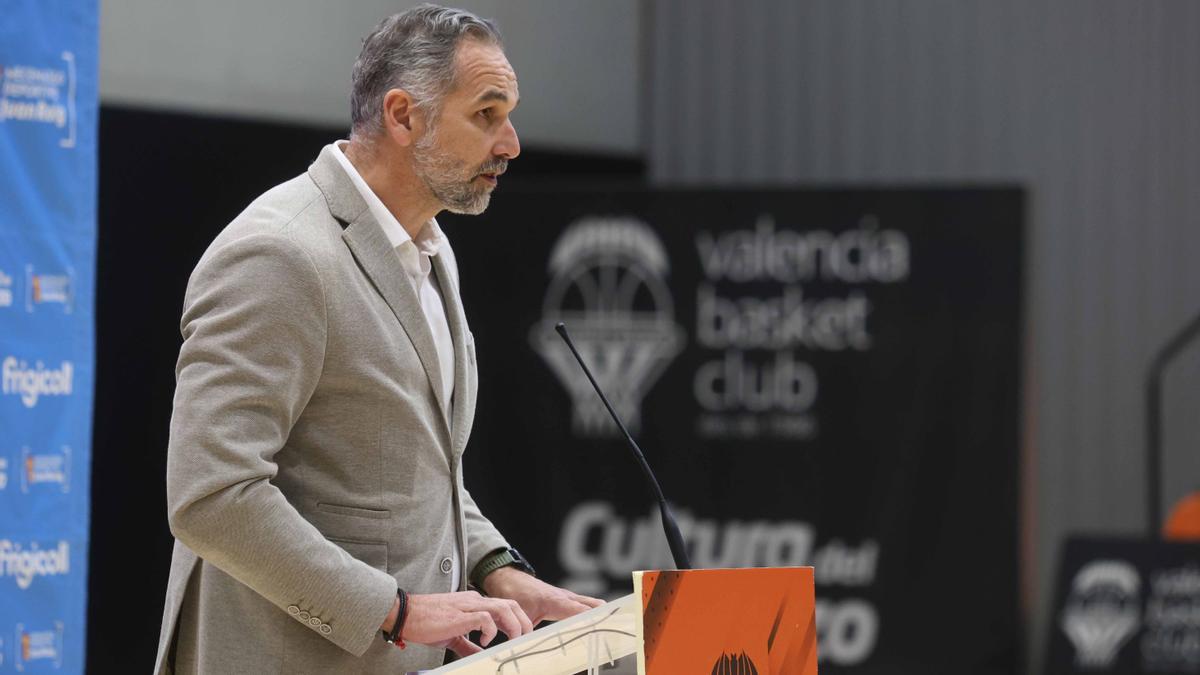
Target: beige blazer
{"x": 311, "y": 468}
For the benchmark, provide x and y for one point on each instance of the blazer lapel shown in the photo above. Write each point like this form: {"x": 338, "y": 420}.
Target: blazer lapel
{"x": 374, "y": 253}
{"x": 464, "y": 394}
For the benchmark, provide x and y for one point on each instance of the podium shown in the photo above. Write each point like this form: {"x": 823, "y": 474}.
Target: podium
{"x": 758, "y": 621}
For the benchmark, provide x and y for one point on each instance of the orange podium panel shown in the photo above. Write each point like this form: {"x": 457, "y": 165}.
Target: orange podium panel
{"x": 758, "y": 621}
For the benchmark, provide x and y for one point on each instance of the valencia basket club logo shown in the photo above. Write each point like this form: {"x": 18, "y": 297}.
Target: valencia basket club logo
{"x": 1103, "y": 611}
{"x": 730, "y": 664}
{"x": 608, "y": 284}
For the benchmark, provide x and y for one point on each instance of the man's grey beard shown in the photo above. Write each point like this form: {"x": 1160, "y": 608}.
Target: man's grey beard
{"x": 449, "y": 180}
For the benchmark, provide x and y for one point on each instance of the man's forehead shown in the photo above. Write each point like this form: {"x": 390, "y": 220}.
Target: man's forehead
{"x": 484, "y": 73}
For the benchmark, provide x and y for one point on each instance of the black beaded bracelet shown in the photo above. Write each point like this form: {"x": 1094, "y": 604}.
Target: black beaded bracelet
{"x": 394, "y": 636}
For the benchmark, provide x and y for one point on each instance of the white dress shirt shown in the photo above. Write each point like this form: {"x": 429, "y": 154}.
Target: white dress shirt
{"x": 415, "y": 261}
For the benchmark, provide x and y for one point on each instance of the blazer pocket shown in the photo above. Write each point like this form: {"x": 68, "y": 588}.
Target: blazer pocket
{"x": 355, "y": 511}
{"x": 374, "y": 553}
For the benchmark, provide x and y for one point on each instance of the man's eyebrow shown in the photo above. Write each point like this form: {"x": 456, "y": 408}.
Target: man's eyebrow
{"x": 492, "y": 95}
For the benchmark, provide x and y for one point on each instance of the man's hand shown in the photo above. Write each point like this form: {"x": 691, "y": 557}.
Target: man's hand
{"x": 444, "y": 619}
{"x": 540, "y": 600}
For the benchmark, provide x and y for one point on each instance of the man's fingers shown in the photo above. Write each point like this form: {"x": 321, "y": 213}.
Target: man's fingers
{"x": 577, "y": 607}
{"x": 586, "y": 600}
{"x": 439, "y": 618}
{"x": 462, "y": 646}
{"x": 506, "y": 620}
{"x": 526, "y": 622}
{"x": 444, "y": 618}
{"x": 563, "y": 608}
{"x": 507, "y": 615}
{"x": 483, "y": 622}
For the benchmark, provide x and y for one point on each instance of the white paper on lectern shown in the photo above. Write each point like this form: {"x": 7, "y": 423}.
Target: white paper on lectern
{"x": 583, "y": 642}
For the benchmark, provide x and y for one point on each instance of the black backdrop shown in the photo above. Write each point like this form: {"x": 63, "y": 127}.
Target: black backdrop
{"x": 168, "y": 183}
{"x": 821, "y": 377}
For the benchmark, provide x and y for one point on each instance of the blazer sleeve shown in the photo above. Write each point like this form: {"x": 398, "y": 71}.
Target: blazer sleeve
{"x": 254, "y": 332}
{"x": 482, "y": 536}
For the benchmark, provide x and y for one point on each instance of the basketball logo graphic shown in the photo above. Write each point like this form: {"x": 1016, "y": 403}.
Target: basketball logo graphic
{"x": 1103, "y": 611}
{"x": 608, "y": 284}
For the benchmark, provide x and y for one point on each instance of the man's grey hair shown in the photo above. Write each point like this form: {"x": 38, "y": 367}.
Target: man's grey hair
{"x": 414, "y": 51}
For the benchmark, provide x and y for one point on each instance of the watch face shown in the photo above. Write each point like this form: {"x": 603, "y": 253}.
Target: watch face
{"x": 520, "y": 562}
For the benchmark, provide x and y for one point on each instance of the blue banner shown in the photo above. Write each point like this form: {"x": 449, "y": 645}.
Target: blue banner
{"x": 48, "y": 106}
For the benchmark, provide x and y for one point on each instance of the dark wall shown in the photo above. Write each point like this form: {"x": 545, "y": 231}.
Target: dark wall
{"x": 168, "y": 183}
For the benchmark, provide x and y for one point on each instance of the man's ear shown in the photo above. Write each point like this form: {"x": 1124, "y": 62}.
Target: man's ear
{"x": 398, "y": 116}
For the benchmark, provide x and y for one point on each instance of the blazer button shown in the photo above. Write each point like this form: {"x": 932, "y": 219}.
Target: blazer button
{"x": 447, "y": 565}
{"x": 314, "y": 622}
{"x": 325, "y": 629}
{"x": 303, "y": 616}
{"x": 293, "y": 610}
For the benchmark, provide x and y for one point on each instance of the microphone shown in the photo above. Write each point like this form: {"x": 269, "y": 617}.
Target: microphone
{"x": 670, "y": 527}
{"x": 1154, "y": 451}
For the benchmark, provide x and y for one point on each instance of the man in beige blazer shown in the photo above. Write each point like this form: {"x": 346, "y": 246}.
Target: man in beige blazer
{"x": 326, "y": 387}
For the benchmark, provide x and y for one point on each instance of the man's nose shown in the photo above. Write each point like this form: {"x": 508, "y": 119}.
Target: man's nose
{"x": 509, "y": 146}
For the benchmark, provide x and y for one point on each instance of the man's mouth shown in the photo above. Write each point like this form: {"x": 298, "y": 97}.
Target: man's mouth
{"x": 493, "y": 171}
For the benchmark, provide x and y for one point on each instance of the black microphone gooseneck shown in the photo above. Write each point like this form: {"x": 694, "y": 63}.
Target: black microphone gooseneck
{"x": 1154, "y": 386}
{"x": 674, "y": 538}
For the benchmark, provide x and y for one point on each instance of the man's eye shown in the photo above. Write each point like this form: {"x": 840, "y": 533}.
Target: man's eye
{"x": 486, "y": 113}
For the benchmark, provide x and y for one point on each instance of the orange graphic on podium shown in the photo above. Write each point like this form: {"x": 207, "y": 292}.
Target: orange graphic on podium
{"x": 728, "y": 621}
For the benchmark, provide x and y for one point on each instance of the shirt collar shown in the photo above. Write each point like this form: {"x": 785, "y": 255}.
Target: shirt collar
{"x": 430, "y": 239}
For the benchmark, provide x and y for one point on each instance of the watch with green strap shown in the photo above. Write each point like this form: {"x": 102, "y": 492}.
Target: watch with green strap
{"x": 501, "y": 557}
